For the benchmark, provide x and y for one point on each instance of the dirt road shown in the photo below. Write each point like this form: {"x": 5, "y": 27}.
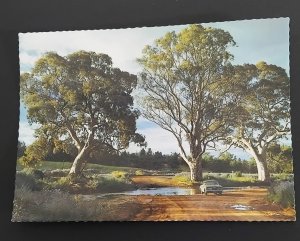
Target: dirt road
{"x": 159, "y": 181}
{"x": 212, "y": 207}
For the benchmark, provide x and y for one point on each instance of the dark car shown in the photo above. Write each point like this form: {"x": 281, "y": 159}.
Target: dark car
{"x": 211, "y": 186}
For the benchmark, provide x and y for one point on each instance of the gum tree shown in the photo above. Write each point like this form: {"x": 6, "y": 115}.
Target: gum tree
{"x": 185, "y": 86}
{"x": 264, "y": 111}
{"x": 81, "y": 99}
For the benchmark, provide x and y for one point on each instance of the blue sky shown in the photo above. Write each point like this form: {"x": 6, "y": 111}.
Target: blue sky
{"x": 263, "y": 39}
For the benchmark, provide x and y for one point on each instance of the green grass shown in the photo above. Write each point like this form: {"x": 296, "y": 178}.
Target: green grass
{"x": 182, "y": 180}
{"x": 96, "y": 178}
{"x": 48, "y": 165}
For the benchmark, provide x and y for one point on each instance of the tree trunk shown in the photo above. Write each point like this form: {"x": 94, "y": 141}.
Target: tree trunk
{"x": 262, "y": 169}
{"x": 78, "y": 162}
{"x": 196, "y": 170}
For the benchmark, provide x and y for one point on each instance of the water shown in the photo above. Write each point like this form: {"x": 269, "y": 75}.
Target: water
{"x": 157, "y": 191}
{"x": 166, "y": 191}
{"x": 242, "y": 207}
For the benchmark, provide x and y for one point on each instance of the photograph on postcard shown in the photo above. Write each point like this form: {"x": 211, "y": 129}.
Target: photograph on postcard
{"x": 172, "y": 123}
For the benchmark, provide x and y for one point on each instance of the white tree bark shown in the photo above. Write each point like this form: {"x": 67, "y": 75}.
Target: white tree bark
{"x": 196, "y": 170}
{"x": 78, "y": 162}
{"x": 194, "y": 163}
{"x": 262, "y": 169}
{"x": 258, "y": 153}
{"x": 82, "y": 155}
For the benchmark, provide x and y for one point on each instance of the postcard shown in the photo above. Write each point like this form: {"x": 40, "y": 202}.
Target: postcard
{"x": 172, "y": 123}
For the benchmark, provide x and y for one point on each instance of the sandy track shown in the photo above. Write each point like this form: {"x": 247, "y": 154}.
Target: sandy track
{"x": 160, "y": 181}
{"x": 212, "y": 207}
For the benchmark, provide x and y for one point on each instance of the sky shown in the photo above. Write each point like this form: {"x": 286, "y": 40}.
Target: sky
{"x": 262, "y": 39}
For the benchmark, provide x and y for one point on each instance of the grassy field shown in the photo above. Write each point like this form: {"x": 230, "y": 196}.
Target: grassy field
{"x": 48, "y": 165}
{"x": 48, "y": 193}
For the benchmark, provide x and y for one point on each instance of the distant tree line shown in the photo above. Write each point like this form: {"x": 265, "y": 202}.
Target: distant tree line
{"x": 280, "y": 160}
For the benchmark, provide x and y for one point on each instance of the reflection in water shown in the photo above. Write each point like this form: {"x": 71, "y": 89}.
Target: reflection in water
{"x": 242, "y": 207}
{"x": 164, "y": 191}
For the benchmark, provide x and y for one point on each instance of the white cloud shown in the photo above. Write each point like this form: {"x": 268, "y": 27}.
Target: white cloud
{"x": 161, "y": 140}
{"x": 27, "y": 59}
{"x": 258, "y": 39}
{"x": 158, "y": 139}
{"x": 26, "y": 132}
{"x": 123, "y": 45}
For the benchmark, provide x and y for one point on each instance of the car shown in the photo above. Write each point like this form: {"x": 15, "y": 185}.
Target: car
{"x": 211, "y": 186}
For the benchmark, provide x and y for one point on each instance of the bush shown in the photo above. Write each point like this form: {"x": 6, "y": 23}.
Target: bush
{"x": 282, "y": 177}
{"x": 182, "y": 179}
{"x": 139, "y": 173}
{"x": 71, "y": 184}
{"x": 238, "y": 174}
{"x": 93, "y": 184}
{"x": 64, "y": 181}
{"x": 183, "y": 174}
{"x": 28, "y": 181}
{"x": 120, "y": 174}
{"x": 53, "y": 205}
{"x": 56, "y": 173}
{"x": 282, "y": 193}
{"x": 109, "y": 185}
{"x": 34, "y": 172}
{"x": 233, "y": 181}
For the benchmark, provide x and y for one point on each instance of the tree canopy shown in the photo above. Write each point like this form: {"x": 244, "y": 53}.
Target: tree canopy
{"x": 81, "y": 99}
{"x": 264, "y": 110}
{"x": 187, "y": 89}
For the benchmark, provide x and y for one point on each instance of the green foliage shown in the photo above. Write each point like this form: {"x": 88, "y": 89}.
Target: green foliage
{"x": 117, "y": 181}
{"x": 280, "y": 159}
{"x": 79, "y": 100}
{"x": 238, "y": 174}
{"x": 283, "y": 193}
{"x": 139, "y": 173}
{"x": 227, "y": 162}
{"x": 144, "y": 159}
{"x": 186, "y": 78}
{"x": 283, "y": 177}
{"x": 21, "y": 149}
{"x": 64, "y": 182}
{"x": 35, "y": 153}
{"x": 182, "y": 180}
{"x": 63, "y": 166}
{"x": 231, "y": 180}
{"x": 112, "y": 184}
{"x": 263, "y": 111}
{"x": 37, "y": 174}
{"x": 120, "y": 174}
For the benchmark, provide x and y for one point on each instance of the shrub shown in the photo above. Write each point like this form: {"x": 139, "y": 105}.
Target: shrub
{"x": 107, "y": 185}
{"x": 53, "y": 205}
{"x": 283, "y": 177}
{"x": 139, "y": 173}
{"x": 93, "y": 184}
{"x": 71, "y": 184}
{"x": 57, "y": 173}
{"x": 183, "y": 174}
{"x": 28, "y": 181}
{"x": 120, "y": 174}
{"x": 238, "y": 174}
{"x": 282, "y": 193}
{"x": 182, "y": 179}
{"x": 64, "y": 181}
{"x": 34, "y": 172}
